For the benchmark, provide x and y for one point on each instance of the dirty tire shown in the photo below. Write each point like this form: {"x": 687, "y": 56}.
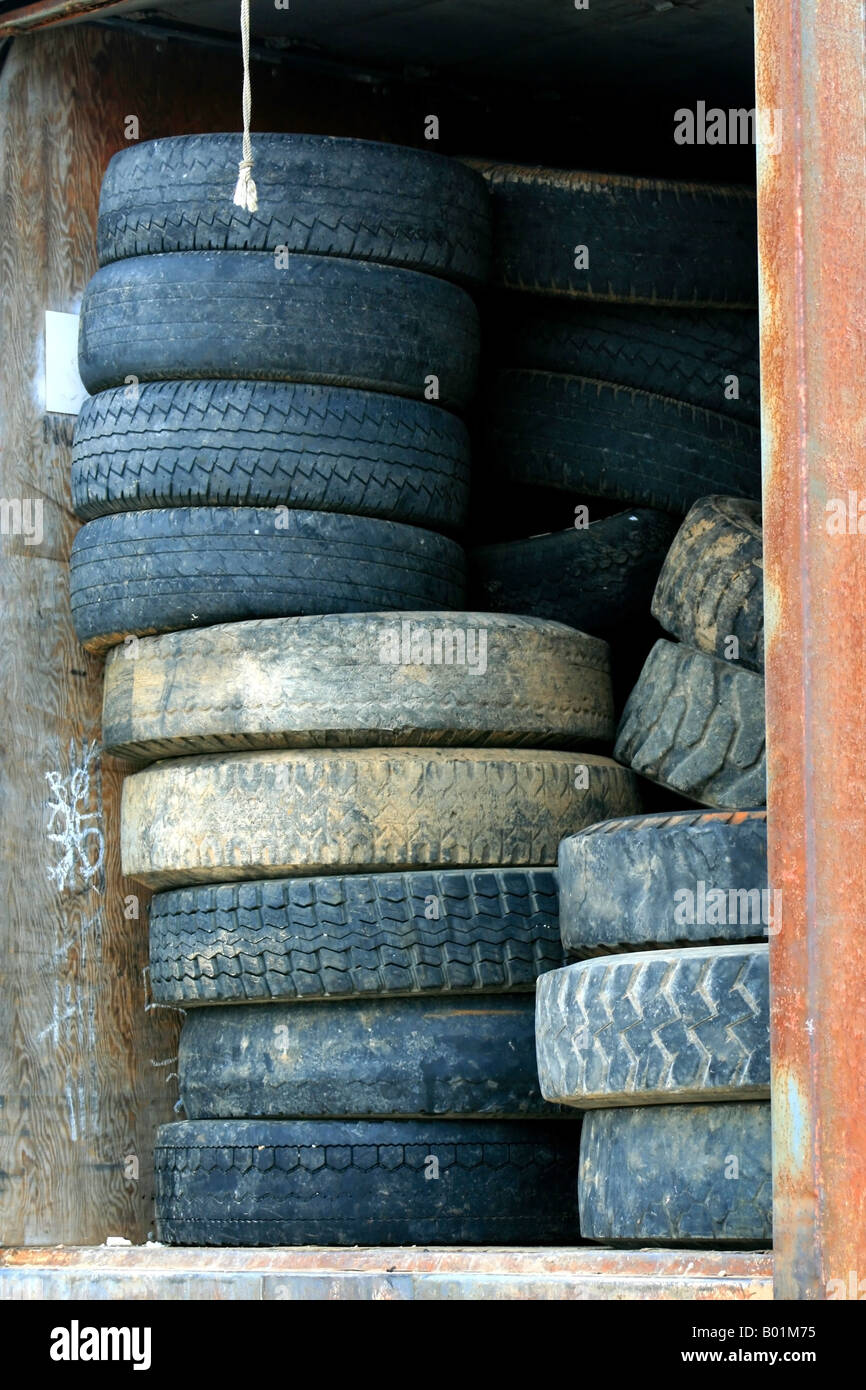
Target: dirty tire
{"x": 268, "y": 444}
{"x": 321, "y": 1182}
{"x": 656, "y": 1026}
{"x": 282, "y": 814}
{"x": 711, "y": 584}
{"x": 593, "y": 578}
{"x": 154, "y": 571}
{"x": 238, "y": 314}
{"x": 317, "y": 194}
{"x": 373, "y": 1059}
{"x": 661, "y": 1175}
{"x": 325, "y": 682}
{"x": 649, "y": 240}
{"x": 596, "y": 439}
{"x": 482, "y": 931}
{"x": 695, "y": 725}
{"x": 628, "y": 885}
{"x": 686, "y": 354}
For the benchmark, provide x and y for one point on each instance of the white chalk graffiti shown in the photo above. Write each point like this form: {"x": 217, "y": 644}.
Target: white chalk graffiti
{"x": 75, "y": 828}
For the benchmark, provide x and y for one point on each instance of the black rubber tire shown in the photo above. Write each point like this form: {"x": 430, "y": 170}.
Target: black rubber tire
{"x": 593, "y": 578}
{"x": 650, "y": 241}
{"x": 321, "y": 1182}
{"x": 711, "y": 587}
{"x": 270, "y": 443}
{"x": 596, "y": 439}
{"x": 483, "y": 931}
{"x": 324, "y": 682}
{"x": 317, "y": 194}
{"x": 653, "y": 1027}
{"x": 688, "y": 354}
{"x": 441, "y": 1056}
{"x": 696, "y": 725}
{"x": 236, "y": 314}
{"x": 677, "y": 1175}
{"x": 155, "y": 571}
{"x": 623, "y": 883}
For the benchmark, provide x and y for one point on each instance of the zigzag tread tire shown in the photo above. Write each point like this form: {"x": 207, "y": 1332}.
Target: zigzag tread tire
{"x": 325, "y": 1182}
{"x": 370, "y": 935}
{"x": 656, "y": 1026}
{"x": 663, "y": 1175}
{"x": 270, "y": 443}
{"x": 289, "y": 813}
{"x": 711, "y": 585}
{"x": 695, "y": 724}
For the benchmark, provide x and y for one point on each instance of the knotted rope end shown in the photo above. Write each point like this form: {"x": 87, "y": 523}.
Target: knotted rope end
{"x": 246, "y": 195}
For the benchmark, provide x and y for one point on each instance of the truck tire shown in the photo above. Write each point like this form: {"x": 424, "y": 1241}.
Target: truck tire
{"x": 154, "y": 571}
{"x": 593, "y": 578}
{"x": 677, "y": 1175}
{"x": 270, "y": 443}
{"x": 243, "y": 314}
{"x": 398, "y": 1182}
{"x": 342, "y": 680}
{"x": 665, "y": 880}
{"x": 481, "y": 931}
{"x": 596, "y": 439}
{"x": 385, "y": 1059}
{"x": 711, "y": 587}
{"x": 281, "y": 814}
{"x": 648, "y": 240}
{"x": 694, "y": 355}
{"x": 653, "y": 1027}
{"x": 695, "y": 725}
{"x": 317, "y": 194}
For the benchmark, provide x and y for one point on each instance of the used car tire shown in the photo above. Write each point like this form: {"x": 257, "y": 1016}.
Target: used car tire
{"x": 240, "y": 314}
{"x": 628, "y": 885}
{"x": 594, "y": 438}
{"x": 363, "y": 1059}
{"x": 593, "y": 578}
{"x": 695, "y": 725}
{"x": 136, "y": 573}
{"x": 280, "y": 814}
{"x": 317, "y": 194}
{"x": 397, "y": 1182}
{"x": 710, "y": 589}
{"x": 451, "y": 931}
{"x": 663, "y": 1175}
{"x": 653, "y": 1027}
{"x": 270, "y": 443}
{"x": 649, "y": 241}
{"x": 350, "y": 680}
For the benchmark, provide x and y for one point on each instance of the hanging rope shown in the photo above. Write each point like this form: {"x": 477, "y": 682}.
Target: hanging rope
{"x": 245, "y": 191}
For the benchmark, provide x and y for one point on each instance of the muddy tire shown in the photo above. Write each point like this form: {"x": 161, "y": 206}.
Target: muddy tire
{"x": 137, "y": 573}
{"x": 628, "y": 885}
{"x": 711, "y": 587}
{"x": 592, "y": 438}
{"x": 342, "y": 681}
{"x": 653, "y": 1027}
{"x": 483, "y": 931}
{"x": 269, "y": 444}
{"x": 695, "y": 725}
{"x": 241, "y": 315}
{"x": 282, "y": 814}
{"x": 665, "y": 1175}
{"x": 398, "y": 1182}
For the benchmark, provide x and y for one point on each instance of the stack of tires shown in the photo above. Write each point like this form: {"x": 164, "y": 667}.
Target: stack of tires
{"x": 351, "y": 792}
{"x": 622, "y": 320}
{"x": 660, "y": 1030}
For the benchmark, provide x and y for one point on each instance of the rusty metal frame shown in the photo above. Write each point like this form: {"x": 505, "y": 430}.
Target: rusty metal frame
{"x": 810, "y": 71}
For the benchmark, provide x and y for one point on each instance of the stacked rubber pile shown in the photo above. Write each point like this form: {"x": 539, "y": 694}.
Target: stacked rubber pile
{"x": 358, "y": 790}
{"x": 661, "y": 1029}
{"x": 623, "y": 323}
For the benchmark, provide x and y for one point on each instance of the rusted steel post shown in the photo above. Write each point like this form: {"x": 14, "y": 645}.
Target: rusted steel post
{"x": 812, "y": 214}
